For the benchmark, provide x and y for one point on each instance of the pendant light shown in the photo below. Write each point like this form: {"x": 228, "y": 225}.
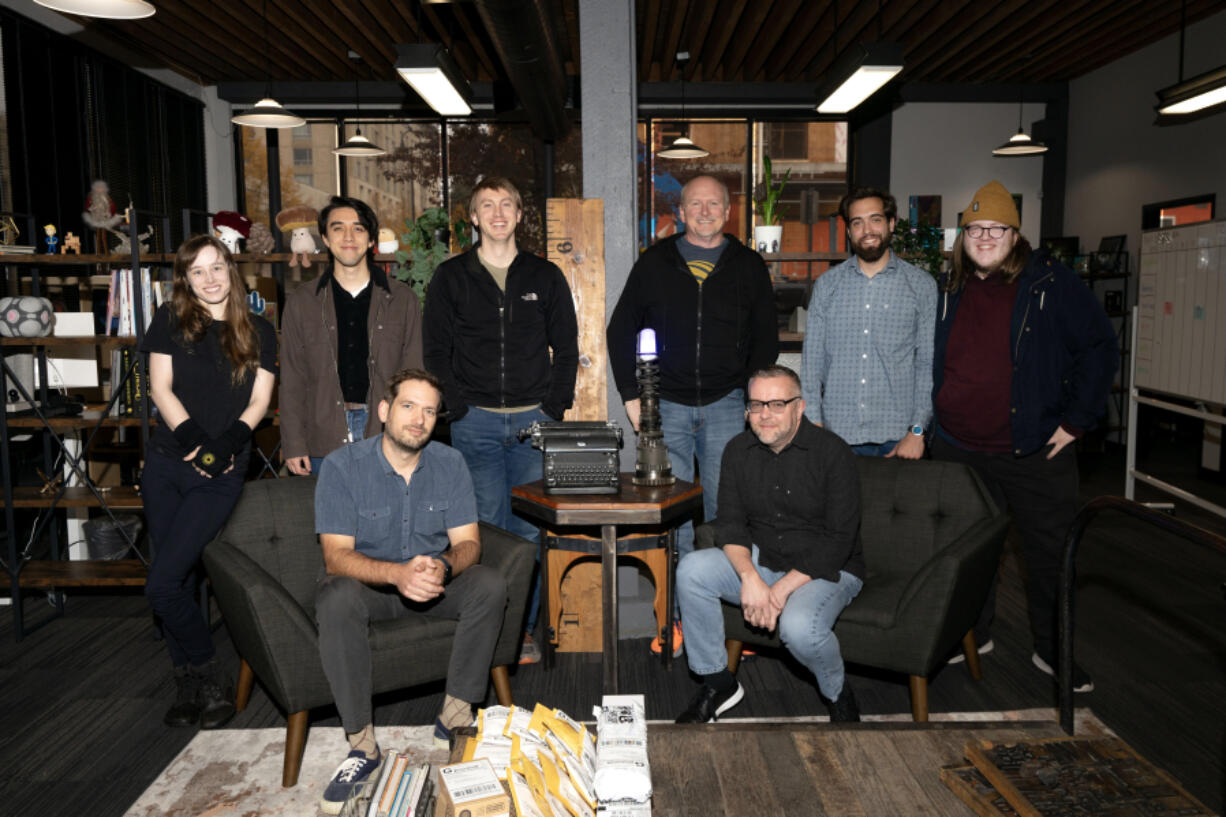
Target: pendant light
{"x": 683, "y": 147}
{"x": 267, "y": 113}
{"x": 102, "y": 9}
{"x": 358, "y": 145}
{"x": 1200, "y": 94}
{"x": 1020, "y": 144}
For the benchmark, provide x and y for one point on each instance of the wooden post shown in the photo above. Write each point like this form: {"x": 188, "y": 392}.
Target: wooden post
{"x": 574, "y": 230}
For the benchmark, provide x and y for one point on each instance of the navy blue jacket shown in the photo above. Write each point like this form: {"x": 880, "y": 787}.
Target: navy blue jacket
{"x": 1063, "y": 347}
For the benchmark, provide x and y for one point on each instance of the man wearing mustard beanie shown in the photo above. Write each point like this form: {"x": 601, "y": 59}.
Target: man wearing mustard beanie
{"x": 1024, "y": 360}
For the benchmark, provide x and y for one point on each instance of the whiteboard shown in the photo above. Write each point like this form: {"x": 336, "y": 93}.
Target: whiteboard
{"x": 1181, "y": 326}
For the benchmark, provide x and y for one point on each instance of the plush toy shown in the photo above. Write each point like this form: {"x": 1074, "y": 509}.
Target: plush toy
{"x": 230, "y": 227}
{"x": 296, "y": 222}
{"x": 260, "y": 242}
{"x": 388, "y": 242}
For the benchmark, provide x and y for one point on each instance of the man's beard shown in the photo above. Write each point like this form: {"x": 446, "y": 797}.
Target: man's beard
{"x": 407, "y": 446}
{"x": 871, "y": 254}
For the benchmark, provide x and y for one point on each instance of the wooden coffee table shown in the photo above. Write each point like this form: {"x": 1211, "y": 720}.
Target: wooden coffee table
{"x": 635, "y": 506}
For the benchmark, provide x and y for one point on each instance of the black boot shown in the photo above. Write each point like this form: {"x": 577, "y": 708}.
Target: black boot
{"x": 845, "y": 709}
{"x": 185, "y": 711}
{"x": 216, "y": 698}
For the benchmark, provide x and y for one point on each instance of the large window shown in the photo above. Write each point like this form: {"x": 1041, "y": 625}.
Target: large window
{"x": 405, "y": 180}
{"x": 307, "y": 172}
{"x": 815, "y": 153}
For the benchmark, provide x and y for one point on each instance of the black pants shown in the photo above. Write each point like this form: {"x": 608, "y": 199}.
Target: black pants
{"x": 1042, "y": 495}
{"x": 184, "y": 510}
{"x": 344, "y": 608}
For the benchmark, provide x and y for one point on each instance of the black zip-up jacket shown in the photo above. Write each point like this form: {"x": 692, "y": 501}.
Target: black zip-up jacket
{"x": 709, "y": 338}
{"x": 492, "y": 348}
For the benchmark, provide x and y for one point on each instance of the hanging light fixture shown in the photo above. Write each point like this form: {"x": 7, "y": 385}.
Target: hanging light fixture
{"x": 683, "y": 147}
{"x": 1020, "y": 144}
{"x": 430, "y": 71}
{"x": 1196, "y": 95}
{"x": 104, "y": 9}
{"x": 267, "y": 113}
{"x": 859, "y": 75}
{"x": 358, "y": 145}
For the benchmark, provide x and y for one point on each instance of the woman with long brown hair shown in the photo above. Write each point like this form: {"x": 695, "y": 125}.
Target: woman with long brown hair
{"x": 212, "y": 365}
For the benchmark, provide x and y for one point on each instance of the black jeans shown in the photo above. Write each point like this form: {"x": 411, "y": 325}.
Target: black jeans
{"x": 1042, "y": 495}
{"x": 185, "y": 510}
{"x": 344, "y": 608}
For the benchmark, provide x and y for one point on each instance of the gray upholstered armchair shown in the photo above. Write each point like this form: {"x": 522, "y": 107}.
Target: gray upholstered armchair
{"x": 263, "y": 567}
{"x": 932, "y": 538}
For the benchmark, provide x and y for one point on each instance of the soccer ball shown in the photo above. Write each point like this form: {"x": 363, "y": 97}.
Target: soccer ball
{"x": 25, "y": 316}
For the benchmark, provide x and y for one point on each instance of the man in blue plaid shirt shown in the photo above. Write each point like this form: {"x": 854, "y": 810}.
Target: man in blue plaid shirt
{"x": 869, "y": 338}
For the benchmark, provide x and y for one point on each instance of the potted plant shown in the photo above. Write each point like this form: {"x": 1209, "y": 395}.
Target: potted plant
{"x": 428, "y": 238}
{"x": 922, "y": 244}
{"x": 768, "y": 236}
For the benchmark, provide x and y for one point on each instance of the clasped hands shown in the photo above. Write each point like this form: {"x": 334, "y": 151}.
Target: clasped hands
{"x": 419, "y": 579}
{"x": 761, "y": 603}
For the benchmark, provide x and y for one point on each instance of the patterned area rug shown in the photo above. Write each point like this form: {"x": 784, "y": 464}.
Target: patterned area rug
{"x": 237, "y": 772}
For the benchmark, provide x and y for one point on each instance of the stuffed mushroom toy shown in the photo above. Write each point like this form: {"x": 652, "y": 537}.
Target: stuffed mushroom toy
{"x": 296, "y": 222}
{"x": 230, "y": 226}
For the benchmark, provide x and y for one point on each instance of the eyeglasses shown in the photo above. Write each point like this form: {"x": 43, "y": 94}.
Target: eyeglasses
{"x": 978, "y": 231}
{"x": 756, "y": 406}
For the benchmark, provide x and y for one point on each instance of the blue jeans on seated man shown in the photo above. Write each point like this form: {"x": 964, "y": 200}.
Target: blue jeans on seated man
{"x": 874, "y": 449}
{"x": 498, "y": 461}
{"x": 805, "y": 626}
{"x": 701, "y": 432}
{"x": 355, "y": 420}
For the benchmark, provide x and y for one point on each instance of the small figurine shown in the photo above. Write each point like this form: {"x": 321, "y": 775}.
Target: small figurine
{"x": 72, "y": 244}
{"x": 99, "y": 209}
{"x": 297, "y": 223}
{"x": 52, "y": 239}
{"x": 388, "y": 243}
{"x": 260, "y": 242}
{"x": 124, "y": 247}
{"x": 230, "y": 227}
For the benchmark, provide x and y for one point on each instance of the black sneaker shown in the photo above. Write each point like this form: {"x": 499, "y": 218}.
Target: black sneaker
{"x": 185, "y": 711}
{"x": 708, "y": 704}
{"x": 845, "y": 709}
{"x": 356, "y": 768}
{"x": 1081, "y": 679}
{"x": 215, "y": 697}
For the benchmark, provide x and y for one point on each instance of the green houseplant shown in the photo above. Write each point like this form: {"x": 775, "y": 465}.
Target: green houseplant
{"x": 428, "y": 240}
{"x": 767, "y": 199}
{"x": 922, "y": 244}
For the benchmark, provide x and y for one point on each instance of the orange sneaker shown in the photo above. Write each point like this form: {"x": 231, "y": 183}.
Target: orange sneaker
{"x": 678, "y": 640}
{"x": 529, "y": 653}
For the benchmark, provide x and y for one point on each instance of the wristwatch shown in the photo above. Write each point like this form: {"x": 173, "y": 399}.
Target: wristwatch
{"x": 446, "y": 570}
{"x": 917, "y": 430}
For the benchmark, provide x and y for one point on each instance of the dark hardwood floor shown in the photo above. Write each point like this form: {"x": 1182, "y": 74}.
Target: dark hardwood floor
{"x": 82, "y": 697}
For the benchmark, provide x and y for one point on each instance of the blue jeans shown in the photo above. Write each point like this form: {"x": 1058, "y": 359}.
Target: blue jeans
{"x": 701, "y": 432}
{"x": 355, "y": 420}
{"x": 805, "y": 626}
{"x": 874, "y": 449}
{"x": 498, "y": 462}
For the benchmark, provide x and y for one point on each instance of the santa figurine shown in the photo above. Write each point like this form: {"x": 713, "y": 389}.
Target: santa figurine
{"x": 100, "y": 213}
{"x": 229, "y": 227}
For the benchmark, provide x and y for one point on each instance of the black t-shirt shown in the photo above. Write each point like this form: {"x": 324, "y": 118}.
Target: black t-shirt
{"x": 202, "y": 379}
{"x": 353, "y": 345}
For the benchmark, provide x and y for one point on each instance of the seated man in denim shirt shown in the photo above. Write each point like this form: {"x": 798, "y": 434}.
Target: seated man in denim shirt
{"x": 397, "y": 520}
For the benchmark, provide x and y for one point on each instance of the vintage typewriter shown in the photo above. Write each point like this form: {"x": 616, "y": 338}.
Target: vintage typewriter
{"x": 578, "y": 457}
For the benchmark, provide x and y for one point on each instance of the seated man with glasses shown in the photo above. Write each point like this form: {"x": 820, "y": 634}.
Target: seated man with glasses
{"x": 788, "y": 526}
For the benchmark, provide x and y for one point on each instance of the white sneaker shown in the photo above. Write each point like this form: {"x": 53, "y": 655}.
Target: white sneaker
{"x": 984, "y": 649}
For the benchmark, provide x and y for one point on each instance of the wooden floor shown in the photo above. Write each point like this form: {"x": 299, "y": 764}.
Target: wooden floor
{"x": 81, "y": 698}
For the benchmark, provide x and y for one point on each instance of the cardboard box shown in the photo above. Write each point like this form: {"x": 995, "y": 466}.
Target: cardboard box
{"x": 472, "y": 789}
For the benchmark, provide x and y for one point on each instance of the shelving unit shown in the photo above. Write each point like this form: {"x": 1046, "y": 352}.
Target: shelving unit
{"x": 1099, "y": 284}
{"x": 56, "y": 573}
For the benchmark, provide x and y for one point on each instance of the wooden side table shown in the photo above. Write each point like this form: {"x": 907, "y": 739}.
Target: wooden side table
{"x": 635, "y": 506}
